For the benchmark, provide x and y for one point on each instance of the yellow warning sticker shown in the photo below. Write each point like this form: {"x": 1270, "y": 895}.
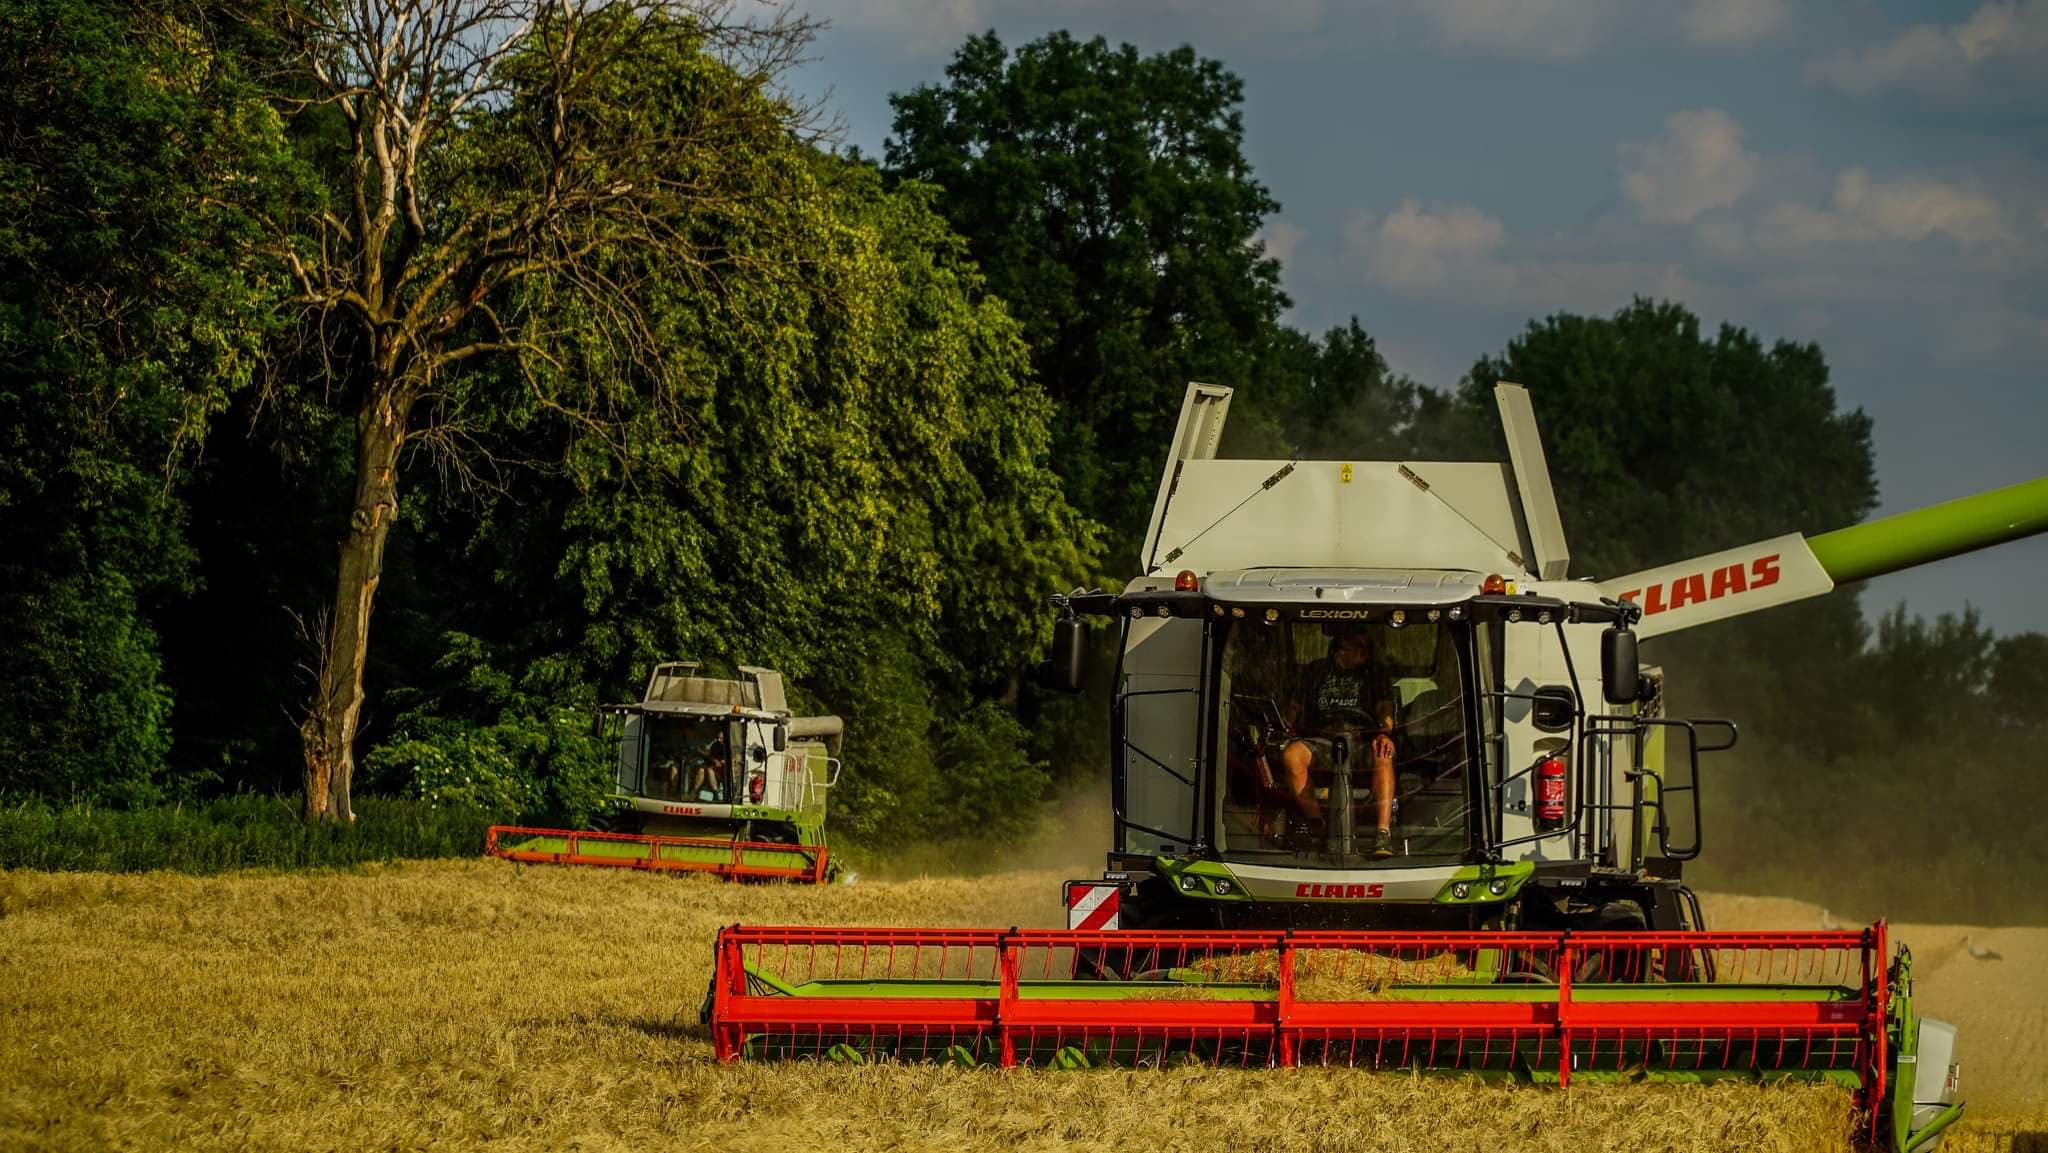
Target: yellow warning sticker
{"x": 1344, "y": 474}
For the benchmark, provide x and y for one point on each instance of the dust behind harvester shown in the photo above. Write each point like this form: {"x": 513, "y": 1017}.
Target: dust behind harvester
{"x": 715, "y": 776}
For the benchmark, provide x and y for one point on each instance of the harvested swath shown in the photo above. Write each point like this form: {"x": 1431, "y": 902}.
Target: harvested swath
{"x": 484, "y": 1005}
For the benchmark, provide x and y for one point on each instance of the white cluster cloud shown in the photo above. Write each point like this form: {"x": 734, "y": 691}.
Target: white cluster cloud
{"x": 1915, "y": 208}
{"x": 1697, "y": 164}
{"x": 1718, "y": 225}
{"x": 1454, "y": 252}
{"x": 1282, "y": 240}
{"x": 1523, "y": 29}
{"x": 1941, "y": 60}
{"x": 1575, "y": 29}
{"x": 1734, "y": 23}
{"x": 1543, "y": 30}
{"x": 1869, "y": 212}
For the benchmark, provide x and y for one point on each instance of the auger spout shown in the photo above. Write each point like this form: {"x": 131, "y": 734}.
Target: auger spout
{"x": 1936, "y": 532}
{"x": 1783, "y": 569}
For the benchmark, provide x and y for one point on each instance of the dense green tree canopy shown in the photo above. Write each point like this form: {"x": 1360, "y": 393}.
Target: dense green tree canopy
{"x": 850, "y": 486}
{"x": 1666, "y": 443}
{"x": 1106, "y": 196}
{"x": 130, "y": 309}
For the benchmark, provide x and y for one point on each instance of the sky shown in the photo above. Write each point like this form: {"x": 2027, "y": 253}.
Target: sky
{"x": 1870, "y": 176}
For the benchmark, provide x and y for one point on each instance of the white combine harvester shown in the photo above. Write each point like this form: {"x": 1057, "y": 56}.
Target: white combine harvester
{"x": 1369, "y": 739}
{"x": 715, "y": 775}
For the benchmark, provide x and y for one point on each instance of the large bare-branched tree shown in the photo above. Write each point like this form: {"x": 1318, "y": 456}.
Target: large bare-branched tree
{"x": 501, "y": 162}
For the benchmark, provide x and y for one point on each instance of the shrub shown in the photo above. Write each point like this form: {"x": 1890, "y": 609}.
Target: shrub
{"x": 244, "y": 831}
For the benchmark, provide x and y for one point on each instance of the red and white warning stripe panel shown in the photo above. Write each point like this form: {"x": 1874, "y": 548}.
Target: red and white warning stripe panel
{"x": 1092, "y": 904}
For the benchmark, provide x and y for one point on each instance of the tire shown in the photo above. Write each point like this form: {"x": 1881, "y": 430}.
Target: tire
{"x": 1619, "y": 917}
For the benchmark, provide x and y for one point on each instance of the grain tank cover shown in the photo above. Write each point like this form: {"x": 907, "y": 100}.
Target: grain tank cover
{"x": 1338, "y": 587}
{"x": 1222, "y": 514}
{"x": 1213, "y": 514}
{"x": 1543, "y": 529}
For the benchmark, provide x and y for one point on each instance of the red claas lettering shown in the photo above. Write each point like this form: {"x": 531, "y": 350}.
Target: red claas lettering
{"x": 1764, "y": 573}
{"x": 1699, "y": 588}
{"x": 1340, "y": 892}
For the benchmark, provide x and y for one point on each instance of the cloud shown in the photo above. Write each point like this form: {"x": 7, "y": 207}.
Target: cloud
{"x": 1234, "y": 32}
{"x": 1539, "y": 30}
{"x": 1733, "y": 23}
{"x": 1912, "y": 209}
{"x": 922, "y": 28}
{"x": 1867, "y": 210}
{"x": 1458, "y": 253}
{"x": 1282, "y": 240}
{"x": 1697, "y": 164}
{"x": 1943, "y": 60}
{"x": 1523, "y": 29}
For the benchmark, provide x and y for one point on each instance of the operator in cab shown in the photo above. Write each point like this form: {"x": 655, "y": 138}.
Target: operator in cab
{"x": 1347, "y": 697}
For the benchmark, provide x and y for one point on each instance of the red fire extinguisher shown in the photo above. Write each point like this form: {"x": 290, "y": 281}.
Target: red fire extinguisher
{"x": 1550, "y": 793}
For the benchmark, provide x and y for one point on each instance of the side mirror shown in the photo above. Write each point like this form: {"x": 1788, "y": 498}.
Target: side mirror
{"x": 1069, "y": 654}
{"x": 597, "y": 724}
{"x": 781, "y": 738}
{"x": 1619, "y": 669}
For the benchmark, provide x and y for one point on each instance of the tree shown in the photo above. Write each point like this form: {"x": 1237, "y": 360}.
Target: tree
{"x": 1106, "y": 196}
{"x": 1333, "y": 398}
{"x": 483, "y": 158}
{"x": 130, "y": 311}
{"x": 1663, "y": 444}
{"x": 857, "y": 495}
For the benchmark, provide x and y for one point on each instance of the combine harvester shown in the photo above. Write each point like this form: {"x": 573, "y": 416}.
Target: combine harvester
{"x": 714, "y": 776}
{"x": 1319, "y": 651}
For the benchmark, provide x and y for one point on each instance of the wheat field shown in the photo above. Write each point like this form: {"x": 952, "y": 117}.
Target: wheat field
{"x": 480, "y": 1005}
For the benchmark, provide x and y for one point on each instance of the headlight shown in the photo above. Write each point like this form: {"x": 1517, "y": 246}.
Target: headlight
{"x": 1460, "y": 890}
{"x": 1187, "y": 884}
{"x": 1498, "y": 886}
{"x": 1223, "y": 888}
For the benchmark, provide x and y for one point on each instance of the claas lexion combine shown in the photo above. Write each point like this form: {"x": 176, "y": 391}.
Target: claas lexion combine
{"x": 715, "y": 775}
{"x": 1389, "y": 790}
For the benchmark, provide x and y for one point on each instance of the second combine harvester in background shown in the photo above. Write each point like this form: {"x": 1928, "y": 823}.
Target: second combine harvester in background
{"x": 715, "y": 775}
{"x": 1389, "y": 790}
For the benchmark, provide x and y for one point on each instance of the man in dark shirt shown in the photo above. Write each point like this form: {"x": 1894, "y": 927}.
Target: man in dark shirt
{"x": 1347, "y": 695}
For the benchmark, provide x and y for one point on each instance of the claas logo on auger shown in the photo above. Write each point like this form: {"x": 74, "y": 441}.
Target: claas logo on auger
{"x": 1698, "y": 588}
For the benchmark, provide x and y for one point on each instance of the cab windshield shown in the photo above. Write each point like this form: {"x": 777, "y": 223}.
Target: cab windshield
{"x": 687, "y": 759}
{"x": 1333, "y": 732}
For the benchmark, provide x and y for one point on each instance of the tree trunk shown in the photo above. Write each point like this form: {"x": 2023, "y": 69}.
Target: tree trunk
{"x": 329, "y": 730}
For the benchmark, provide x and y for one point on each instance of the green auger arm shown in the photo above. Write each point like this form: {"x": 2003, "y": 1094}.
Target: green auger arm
{"x": 1794, "y": 567}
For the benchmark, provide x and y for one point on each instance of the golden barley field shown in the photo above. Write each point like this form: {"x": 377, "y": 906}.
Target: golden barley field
{"x": 480, "y": 1005}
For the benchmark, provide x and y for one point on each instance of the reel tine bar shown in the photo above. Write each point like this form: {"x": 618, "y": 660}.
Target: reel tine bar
{"x": 1531, "y": 1003}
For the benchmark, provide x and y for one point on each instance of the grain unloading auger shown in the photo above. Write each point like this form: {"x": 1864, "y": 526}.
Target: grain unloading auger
{"x": 714, "y": 776}
{"x": 1363, "y": 726}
